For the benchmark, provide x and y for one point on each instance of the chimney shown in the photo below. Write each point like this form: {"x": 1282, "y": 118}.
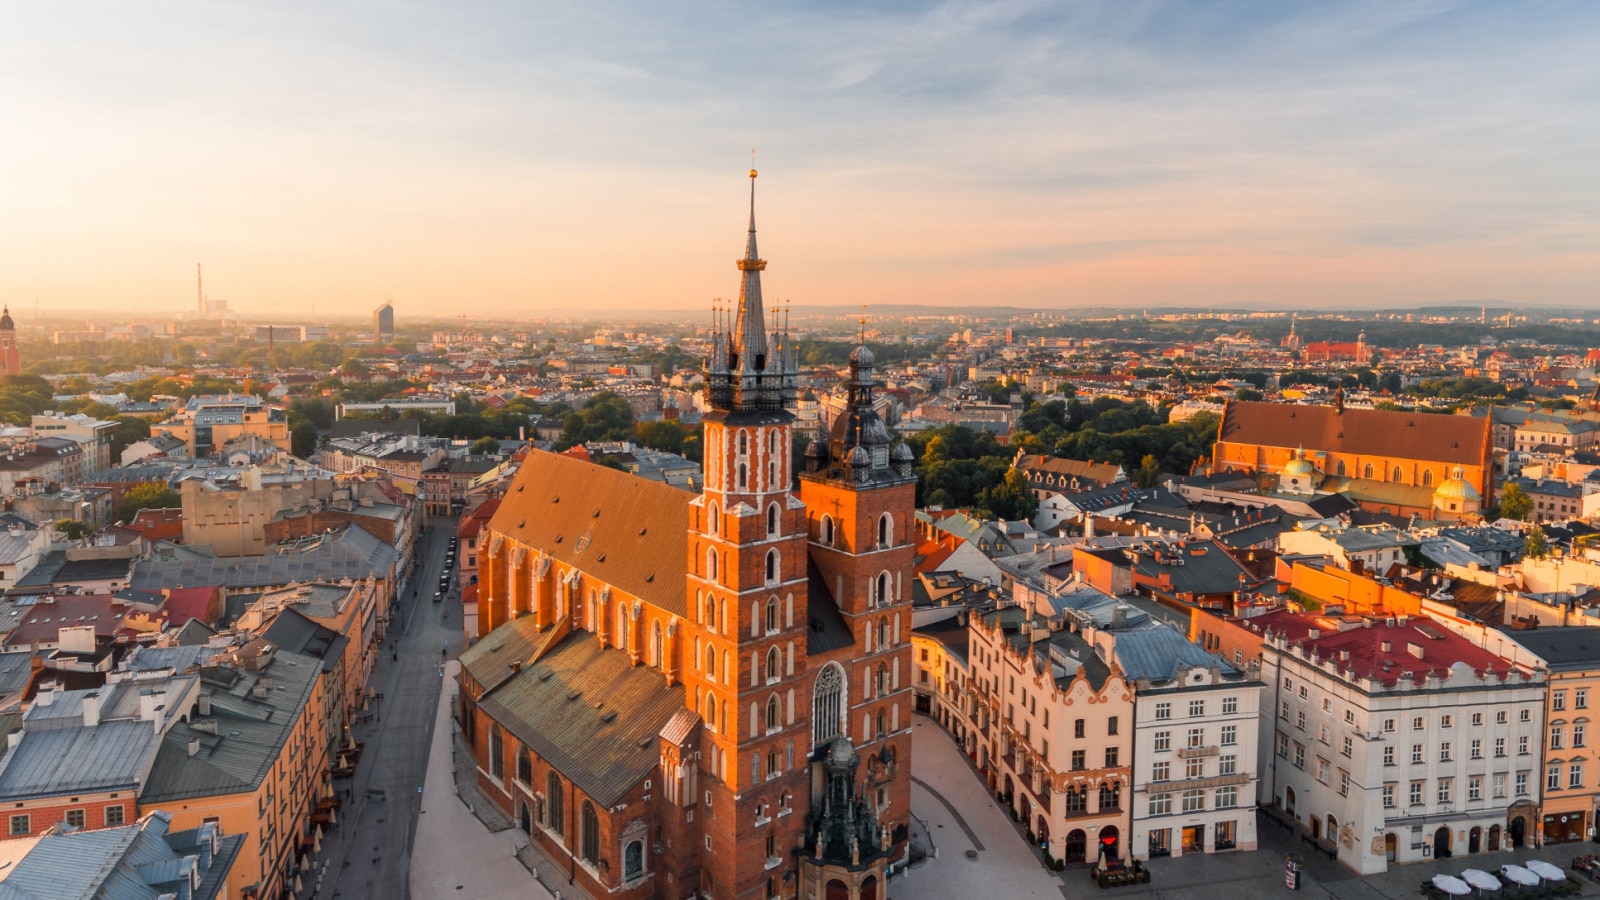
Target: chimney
{"x": 204, "y": 706}
{"x": 91, "y": 710}
{"x": 46, "y": 695}
{"x": 194, "y": 746}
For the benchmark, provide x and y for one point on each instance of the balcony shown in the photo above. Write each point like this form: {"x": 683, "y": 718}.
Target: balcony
{"x": 1196, "y": 752}
{"x": 1188, "y": 783}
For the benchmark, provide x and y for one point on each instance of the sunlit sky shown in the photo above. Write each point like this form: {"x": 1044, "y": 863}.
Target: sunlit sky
{"x": 527, "y": 158}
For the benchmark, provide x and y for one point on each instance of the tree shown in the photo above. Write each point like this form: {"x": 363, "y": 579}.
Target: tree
{"x": 149, "y": 495}
{"x": 485, "y": 446}
{"x": 1535, "y": 544}
{"x": 1012, "y": 499}
{"x": 1515, "y": 502}
{"x": 74, "y": 529}
{"x": 129, "y": 430}
{"x": 1148, "y": 473}
{"x": 1247, "y": 394}
{"x": 303, "y": 439}
{"x": 606, "y": 417}
{"x": 668, "y": 437}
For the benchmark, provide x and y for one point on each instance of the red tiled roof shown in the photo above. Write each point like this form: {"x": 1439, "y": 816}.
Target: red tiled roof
{"x": 43, "y": 621}
{"x": 184, "y": 604}
{"x": 158, "y": 524}
{"x": 618, "y": 528}
{"x": 473, "y": 522}
{"x": 1439, "y": 647}
{"x": 1365, "y": 432}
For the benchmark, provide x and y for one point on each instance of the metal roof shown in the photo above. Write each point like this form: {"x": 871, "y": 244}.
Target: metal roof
{"x": 589, "y": 712}
{"x": 352, "y": 553}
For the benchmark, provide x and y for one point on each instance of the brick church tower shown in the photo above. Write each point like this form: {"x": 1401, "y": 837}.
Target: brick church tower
{"x": 10, "y": 356}
{"x": 746, "y": 630}
{"x": 860, "y": 495}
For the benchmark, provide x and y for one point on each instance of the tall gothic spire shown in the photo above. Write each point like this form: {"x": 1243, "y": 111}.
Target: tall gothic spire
{"x": 750, "y": 330}
{"x": 748, "y": 368}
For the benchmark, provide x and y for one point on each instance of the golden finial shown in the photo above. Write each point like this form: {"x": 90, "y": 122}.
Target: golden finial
{"x": 752, "y": 162}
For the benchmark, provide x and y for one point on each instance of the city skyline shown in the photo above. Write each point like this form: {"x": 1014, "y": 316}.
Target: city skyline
{"x": 503, "y": 161}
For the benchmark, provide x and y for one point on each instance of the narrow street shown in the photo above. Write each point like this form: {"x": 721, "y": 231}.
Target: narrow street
{"x": 369, "y": 853}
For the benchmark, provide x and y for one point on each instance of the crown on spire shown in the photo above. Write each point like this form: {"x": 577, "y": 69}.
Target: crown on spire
{"x": 749, "y": 368}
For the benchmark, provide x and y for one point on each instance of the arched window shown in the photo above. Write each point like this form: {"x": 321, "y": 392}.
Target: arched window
{"x": 774, "y": 664}
{"x": 882, "y": 595}
{"x": 658, "y": 645}
{"x": 711, "y": 663}
{"x": 1367, "y": 472}
{"x": 772, "y": 615}
{"x": 711, "y": 564}
{"x": 827, "y": 531}
{"x": 589, "y": 848}
{"x": 884, "y": 529}
{"x": 772, "y": 520}
{"x": 882, "y": 725}
{"x": 1397, "y": 475}
{"x": 621, "y": 637}
{"x": 1427, "y": 478}
{"x": 715, "y": 518}
{"x": 883, "y": 632}
{"x": 1339, "y": 469}
{"x": 772, "y": 565}
{"x": 772, "y": 441}
{"x": 744, "y": 442}
{"x": 772, "y": 474}
{"x": 774, "y": 716}
{"x": 555, "y": 805}
{"x": 827, "y": 703}
{"x": 709, "y": 713}
{"x": 633, "y": 860}
{"x": 883, "y": 680}
{"x": 744, "y": 479}
{"x": 1110, "y": 796}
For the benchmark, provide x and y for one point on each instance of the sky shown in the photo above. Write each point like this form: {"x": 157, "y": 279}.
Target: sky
{"x": 527, "y": 158}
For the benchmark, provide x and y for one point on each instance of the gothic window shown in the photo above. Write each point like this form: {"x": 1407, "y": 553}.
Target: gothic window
{"x": 882, "y": 730}
{"x": 772, "y": 520}
{"x": 827, "y": 703}
{"x": 743, "y": 476}
{"x": 715, "y": 518}
{"x": 772, "y": 474}
{"x": 827, "y": 531}
{"x": 711, "y": 663}
{"x": 882, "y": 593}
{"x": 1427, "y": 478}
{"x": 657, "y": 645}
{"x": 1339, "y": 469}
{"x": 883, "y": 633}
{"x": 590, "y": 848}
{"x": 744, "y": 442}
{"x": 711, "y": 564}
{"x": 774, "y": 664}
{"x": 884, "y": 530}
{"x": 1397, "y": 475}
{"x": 555, "y": 805}
{"x": 621, "y": 637}
{"x": 772, "y": 615}
{"x": 710, "y": 712}
{"x": 1367, "y": 472}
{"x": 772, "y": 565}
{"x": 883, "y": 679}
{"x": 772, "y": 441}
{"x": 774, "y": 717}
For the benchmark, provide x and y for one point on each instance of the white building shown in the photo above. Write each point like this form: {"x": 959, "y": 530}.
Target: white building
{"x": 1196, "y": 722}
{"x": 1395, "y": 739}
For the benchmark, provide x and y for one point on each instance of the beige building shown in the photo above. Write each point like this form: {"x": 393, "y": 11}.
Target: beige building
{"x": 1571, "y": 765}
{"x": 207, "y": 423}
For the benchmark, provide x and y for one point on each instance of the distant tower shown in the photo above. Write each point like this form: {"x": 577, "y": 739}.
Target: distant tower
{"x": 383, "y": 322}
{"x": 1292, "y": 341}
{"x": 1362, "y": 356}
{"x": 10, "y": 358}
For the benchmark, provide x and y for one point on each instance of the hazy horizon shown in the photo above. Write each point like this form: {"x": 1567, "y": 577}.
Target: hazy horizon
{"x": 516, "y": 161}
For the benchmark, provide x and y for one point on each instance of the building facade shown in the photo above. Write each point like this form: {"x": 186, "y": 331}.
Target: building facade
{"x": 1394, "y": 739}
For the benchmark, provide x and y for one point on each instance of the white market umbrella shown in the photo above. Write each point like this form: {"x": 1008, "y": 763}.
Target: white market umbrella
{"x": 1451, "y": 885}
{"x": 1545, "y": 870}
{"x": 1518, "y": 874}
{"x": 1481, "y": 880}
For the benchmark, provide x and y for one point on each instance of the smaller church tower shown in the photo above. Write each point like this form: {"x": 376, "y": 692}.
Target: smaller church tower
{"x": 10, "y": 356}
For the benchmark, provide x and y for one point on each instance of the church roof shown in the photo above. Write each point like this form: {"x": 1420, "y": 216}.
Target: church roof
{"x": 1364, "y": 432}
{"x": 624, "y": 530}
{"x": 587, "y": 711}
